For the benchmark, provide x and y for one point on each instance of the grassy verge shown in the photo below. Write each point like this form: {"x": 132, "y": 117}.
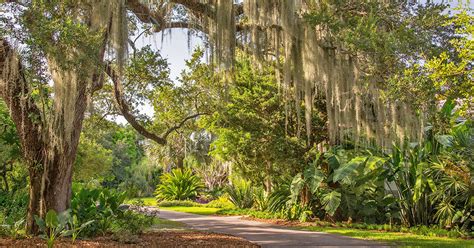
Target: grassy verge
{"x": 395, "y": 238}
{"x": 194, "y": 210}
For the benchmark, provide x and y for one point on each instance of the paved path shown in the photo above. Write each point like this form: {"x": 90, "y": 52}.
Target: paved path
{"x": 264, "y": 234}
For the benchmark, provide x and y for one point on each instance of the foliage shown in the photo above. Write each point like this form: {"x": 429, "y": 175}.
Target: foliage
{"x": 178, "y": 185}
{"x": 10, "y": 152}
{"x": 250, "y": 126}
{"x": 75, "y": 228}
{"x": 129, "y": 222}
{"x": 13, "y": 207}
{"x": 12, "y": 230}
{"x": 221, "y": 202}
{"x": 383, "y": 32}
{"x": 433, "y": 186}
{"x": 93, "y": 161}
{"x": 261, "y": 200}
{"x": 59, "y": 225}
{"x": 442, "y": 77}
{"x": 146, "y": 201}
{"x": 241, "y": 193}
{"x": 53, "y": 226}
{"x": 101, "y": 205}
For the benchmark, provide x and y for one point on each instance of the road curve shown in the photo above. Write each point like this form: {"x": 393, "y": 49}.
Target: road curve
{"x": 264, "y": 234}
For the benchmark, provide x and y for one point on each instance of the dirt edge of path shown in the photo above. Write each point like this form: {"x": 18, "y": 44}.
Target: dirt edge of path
{"x": 149, "y": 239}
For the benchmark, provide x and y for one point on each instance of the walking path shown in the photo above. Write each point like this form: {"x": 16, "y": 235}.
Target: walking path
{"x": 264, "y": 234}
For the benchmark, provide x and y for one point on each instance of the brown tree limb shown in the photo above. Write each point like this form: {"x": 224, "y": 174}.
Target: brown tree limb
{"x": 179, "y": 125}
{"x": 125, "y": 110}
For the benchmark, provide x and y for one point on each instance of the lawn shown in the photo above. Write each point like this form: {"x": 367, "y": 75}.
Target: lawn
{"x": 395, "y": 238}
{"x": 194, "y": 210}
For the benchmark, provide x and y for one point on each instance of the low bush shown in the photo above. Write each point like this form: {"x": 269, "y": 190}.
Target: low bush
{"x": 13, "y": 207}
{"x": 178, "y": 185}
{"x": 129, "y": 222}
{"x": 100, "y": 205}
{"x": 221, "y": 202}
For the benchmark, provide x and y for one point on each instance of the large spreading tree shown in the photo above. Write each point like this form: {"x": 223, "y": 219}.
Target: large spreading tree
{"x": 55, "y": 55}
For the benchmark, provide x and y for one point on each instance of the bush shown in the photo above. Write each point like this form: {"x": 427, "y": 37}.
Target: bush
{"x": 221, "y": 202}
{"x": 100, "y": 205}
{"x": 131, "y": 223}
{"x": 241, "y": 194}
{"x": 177, "y": 204}
{"x": 13, "y": 207}
{"x": 178, "y": 185}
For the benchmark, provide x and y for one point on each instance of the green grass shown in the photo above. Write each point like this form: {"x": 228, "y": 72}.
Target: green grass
{"x": 148, "y": 201}
{"x": 395, "y": 238}
{"x": 194, "y": 210}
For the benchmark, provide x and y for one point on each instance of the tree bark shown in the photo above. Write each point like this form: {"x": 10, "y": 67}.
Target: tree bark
{"x": 49, "y": 149}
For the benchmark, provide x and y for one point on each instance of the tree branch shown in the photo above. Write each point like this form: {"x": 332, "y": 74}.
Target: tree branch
{"x": 176, "y": 127}
{"x": 125, "y": 110}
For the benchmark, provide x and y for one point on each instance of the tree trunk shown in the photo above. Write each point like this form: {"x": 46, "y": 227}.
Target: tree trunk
{"x": 34, "y": 205}
{"x": 268, "y": 178}
{"x": 49, "y": 148}
{"x": 180, "y": 162}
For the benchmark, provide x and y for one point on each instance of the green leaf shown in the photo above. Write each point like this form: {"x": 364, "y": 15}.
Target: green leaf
{"x": 313, "y": 177}
{"x": 40, "y": 222}
{"x": 348, "y": 169}
{"x": 419, "y": 187}
{"x": 332, "y": 160}
{"x": 331, "y": 202}
{"x": 373, "y": 162}
{"x": 445, "y": 140}
{"x": 52, "y": 219}
{"x": 296, "y": 186}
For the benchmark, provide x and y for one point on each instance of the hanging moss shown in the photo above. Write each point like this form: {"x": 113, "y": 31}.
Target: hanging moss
{"x": 312, "y": 69}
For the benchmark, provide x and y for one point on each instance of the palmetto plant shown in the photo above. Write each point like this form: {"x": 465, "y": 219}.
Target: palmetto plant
{"x": 179, "y": 184}
{"x": 241, "y": 193}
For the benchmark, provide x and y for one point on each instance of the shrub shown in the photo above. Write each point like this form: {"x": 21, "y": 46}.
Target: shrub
{"x": 178, "y": 185}
{"x": 241, "y": 194}
{"x": 129, "y": 222}
{"x": 101, "y": 205}
{"x": 261, "y": 202}
{"x": 221, "y": 202}
{"x": 13, "y": 207}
